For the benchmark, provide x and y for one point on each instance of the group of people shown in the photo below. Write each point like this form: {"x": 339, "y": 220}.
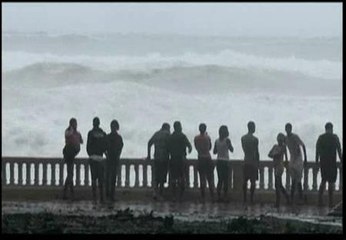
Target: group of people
{"x": 98, "y": 144}
{"x": 170, "y": 159}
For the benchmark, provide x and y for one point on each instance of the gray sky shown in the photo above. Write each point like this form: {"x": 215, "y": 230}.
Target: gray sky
{"x": 229, "y": 19}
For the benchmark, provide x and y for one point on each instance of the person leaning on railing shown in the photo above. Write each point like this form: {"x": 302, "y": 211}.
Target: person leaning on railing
{"x": 73, "y": 139}
{"x": 161, "y": 157}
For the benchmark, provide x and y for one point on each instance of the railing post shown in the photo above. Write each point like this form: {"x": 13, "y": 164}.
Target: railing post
{"x": 28, "y": 173}
{"x": 288, "y": 179}
{"x": 153, "y": 175}
{"x": 145, "y": 175}
{"x": 306, "y": 173}
{"x": 314, "y": 178}
{"x": 195, "y": 176}
{"x": 270, "y": 178}
{"x": 61, "y": 174}
{"x": 187, "y": 174}
{"x": 20, "y": 173}
{"x": 44, "y": 174}
{"x": 78, "y": 178}
{"x": 53, "y": 179}
{"x": 230, "y": 173}
{"x": 340, "y": 178}
{"x": 127, "y": 176}
{"x": 137, "y": 175}
{"x": 119, "y": 171}
{"x": 3, "y": 173}
{"x": 11, "y": 173}
{"x": 261, "y": 184}
{"x": 36, "y": 166}
{"x": 86, "y": 174}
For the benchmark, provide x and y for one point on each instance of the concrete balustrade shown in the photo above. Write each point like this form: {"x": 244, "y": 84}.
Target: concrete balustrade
{"x": 37, "y": 171}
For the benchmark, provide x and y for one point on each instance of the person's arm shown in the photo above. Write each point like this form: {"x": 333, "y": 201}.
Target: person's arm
{"x": 286, "y": 158}
{"x": 209, "y": 143}
{"x": 80, "y": 138}
{"x": 150, "y": 143}
{"x": 229, "y": 144}
{"x": 317, "y": 154}
{"x": 188, "y": 144}
{"x": 285, "y": 153}
{"x": 195, "y": 143}
{"x": 88, "y": 143}
{"x": 257, "y": 152}
{"x": 215, "y": 149}
{"x": 243, "y": 144}
{"x": 338, "y": 148}
{"x": 69, "y": 131}
{"x": 301, "y": 143}
{"x": 121, "y": 145}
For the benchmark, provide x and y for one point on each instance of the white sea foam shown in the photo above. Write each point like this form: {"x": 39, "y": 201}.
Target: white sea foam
{"x": 325, "y": 69}
{"x": 43, "y": 90}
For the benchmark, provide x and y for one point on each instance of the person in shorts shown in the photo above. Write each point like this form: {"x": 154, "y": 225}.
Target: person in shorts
{"x": 296, "y": 165}
{"x": 251, "y": 160}
{"x": 327, "y": 146}
{"x": 73, "y": 140}
{"x": 205, "y": 165}
{"x": 161, "y": 156}
{"x": 277, "y": 153}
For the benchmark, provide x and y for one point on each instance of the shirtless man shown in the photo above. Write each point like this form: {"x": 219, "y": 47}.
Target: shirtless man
{"x": 250, "y": 147}
{"x": 296, "y": 165}
{"x": 327, "y": 146}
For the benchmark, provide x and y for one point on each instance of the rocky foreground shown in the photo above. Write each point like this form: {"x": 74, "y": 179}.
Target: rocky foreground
{"x": 126, "y": 222}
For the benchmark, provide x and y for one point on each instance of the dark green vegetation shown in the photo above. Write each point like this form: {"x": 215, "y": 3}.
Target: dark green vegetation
{"x": 125, "y": 222}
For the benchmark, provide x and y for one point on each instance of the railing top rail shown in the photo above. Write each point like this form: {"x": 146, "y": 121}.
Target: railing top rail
{"x": 263, "y": 163}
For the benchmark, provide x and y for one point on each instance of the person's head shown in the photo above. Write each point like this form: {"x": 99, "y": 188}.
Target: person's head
{"x": 114, "y": 126}
{"x": 202, "y": 128}
{"x": 177, "y": 126}
{"x": 223, "y": 132}
{"x": 165, "y": 126}
{"x": 73, "y": 123}
{"x": 251, "y": 127}
{"x": 280, "y": 138}
{"x": 288, "y": 128}
{"x": 329, "y": 127}
{"x": 96, "y": 122}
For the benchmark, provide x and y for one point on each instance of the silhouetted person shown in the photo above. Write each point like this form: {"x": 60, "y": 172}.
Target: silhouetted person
{"x": 250, "y": 147}
{"x": 161, "y": 157}
{"x": 296, "y": 165}
{"x": 326, "y": 147}
{"x": 278, "y": 152}
{"x": 96, "y": 146}
{"x": 205, "y": 165}
{"x": 221, "y": 147}
{"x": 114, "y": 147}
{"x": 177, "y": 145}
{"x": 73, "y": 139}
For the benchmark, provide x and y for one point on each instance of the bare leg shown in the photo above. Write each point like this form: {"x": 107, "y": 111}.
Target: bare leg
{"x": 252, "y": 190}
{"x": 244, "y": 190}
{"x": 331, "y": 187}
{"x": 320, "y": 192}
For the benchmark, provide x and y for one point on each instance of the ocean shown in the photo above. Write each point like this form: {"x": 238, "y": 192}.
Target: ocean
{"x": 143, "y": 80}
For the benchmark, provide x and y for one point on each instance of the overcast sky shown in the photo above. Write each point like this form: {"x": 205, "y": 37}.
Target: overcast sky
{"x": 229, "y": 19}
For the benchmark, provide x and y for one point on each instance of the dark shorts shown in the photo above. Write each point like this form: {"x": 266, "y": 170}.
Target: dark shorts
{"x": 160, "y": 169}
{"x": 250, "y": 172}
{"x": 70, "y": 152}
{"x": 177, "y": 168}
{"x": 328, "y": 174}
{"x": 97, "y": 170}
